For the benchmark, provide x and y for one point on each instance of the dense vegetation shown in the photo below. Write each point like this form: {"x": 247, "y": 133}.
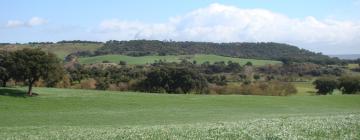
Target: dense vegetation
{"x": 269, "y": 51}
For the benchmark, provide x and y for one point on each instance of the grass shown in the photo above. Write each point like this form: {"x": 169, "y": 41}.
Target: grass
{"x": 344, "y": 126}
{"x": 201, "y": 58}
{"x": 61, "y": 50}
{"x": 90, "y": 114}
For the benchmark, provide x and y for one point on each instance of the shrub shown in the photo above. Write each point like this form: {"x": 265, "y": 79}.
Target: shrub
{"x": 173, "y": 80}
{"x": 102, "y": 84}
{"x": 88, "y": 84}
{"x": 349, "y": 84}
{"x": 325, "y": 85}
{"x": 274, "y": 88}
{"x": 123, "y": 63}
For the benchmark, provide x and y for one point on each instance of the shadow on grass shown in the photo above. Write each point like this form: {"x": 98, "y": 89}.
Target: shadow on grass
{"x": 14, "y": 93}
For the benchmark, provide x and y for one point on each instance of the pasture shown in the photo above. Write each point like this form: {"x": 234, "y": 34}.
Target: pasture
{"x": 89, "y": 114}
{"x": 61, "y": 49}
{"x": 200, "y": 58}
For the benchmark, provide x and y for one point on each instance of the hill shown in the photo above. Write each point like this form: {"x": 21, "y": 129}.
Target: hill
{"x": 260, "y": 51}
{"x": 60, "y": 49}
{"x": 90, "y": 114}
{"x": 265, "y": 51}
{"x": 171, "y": 58}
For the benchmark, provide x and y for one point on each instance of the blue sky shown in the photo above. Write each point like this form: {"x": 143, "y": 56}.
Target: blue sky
{"x": 309, "y": 24}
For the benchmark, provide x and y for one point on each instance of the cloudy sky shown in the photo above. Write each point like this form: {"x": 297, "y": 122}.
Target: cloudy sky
{"x": 327, "y": 26}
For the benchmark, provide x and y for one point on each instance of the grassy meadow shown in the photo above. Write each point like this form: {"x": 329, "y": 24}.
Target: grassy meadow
{"x": 200, "y": 58}
{"x": 90, "y": 114}
{"x": 61, "y": 49}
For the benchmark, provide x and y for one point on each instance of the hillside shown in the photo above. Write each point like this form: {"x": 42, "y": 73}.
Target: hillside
{"x": 265, "y": 51}
{"x": 60, "y": 49}
{"x": 201, "y": 58}
{"x": 261, "y": 51}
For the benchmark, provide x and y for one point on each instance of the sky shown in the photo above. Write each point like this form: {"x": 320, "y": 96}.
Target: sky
{"x": 326, "y": 26}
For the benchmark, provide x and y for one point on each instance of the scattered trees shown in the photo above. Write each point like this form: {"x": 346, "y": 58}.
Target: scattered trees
{"x": 347, "y": 84}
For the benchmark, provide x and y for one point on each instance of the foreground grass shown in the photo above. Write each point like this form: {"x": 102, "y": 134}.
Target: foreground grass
{"x": 201, "y": 58}
{"x": 89, "y": 114}
{"x": 346, "y": 126}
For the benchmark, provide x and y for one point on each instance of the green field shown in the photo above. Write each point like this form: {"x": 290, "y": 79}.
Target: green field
{"x": 61, "y": 50}
{"x": 90, "y": 114}
{"x": 171, "y": 58}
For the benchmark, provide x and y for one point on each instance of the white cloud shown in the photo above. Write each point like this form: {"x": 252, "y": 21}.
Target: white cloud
{"x": 34, "y": 21}
{"x": 14, "y": 23}
{"x": 223, "y": 23}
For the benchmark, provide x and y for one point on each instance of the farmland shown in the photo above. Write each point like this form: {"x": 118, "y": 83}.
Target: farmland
{"x": 89, "y": 114}
{"x": 60, "y": 49}
{"x": 201, "y": 58}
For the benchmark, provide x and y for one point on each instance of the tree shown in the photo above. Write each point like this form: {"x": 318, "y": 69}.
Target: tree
{"x": 248, "y": 63}
{"x": 349, "y": 84}
{"x": 32, "y": 64}
{"x": 5, "y": 64}
{"x": 123, "y": 63}
{"x": 173, "y": 80}
{"x": 256, "y": 77}
{"x": 325, "y": 85}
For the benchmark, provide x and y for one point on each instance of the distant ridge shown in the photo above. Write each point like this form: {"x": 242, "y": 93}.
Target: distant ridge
{"x": 346, "y": 56}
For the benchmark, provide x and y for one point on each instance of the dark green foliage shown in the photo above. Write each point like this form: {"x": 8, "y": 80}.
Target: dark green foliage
{"x": 122, "y": 63}
{"x": 325, "y": 85}
{"x": 349, "y": 84}
{"x": 248, "y": 64}
{"x": 301, "y": 69}
{"x": 218, "y": 80}
{"x": 5, "y": 68}
{"x": 30, "y": 65}
{"x": 79, "y": 41}
{"x": 106, "y": 61}
{"x": 102, "y": 84}
{"x": 40, "y": 43}
{"x": 256, "y": 77}
{"x": 233, "y": 67}
{"x": 77, "y": 73}
{"x": 173, "y": 80}
{"x": 271, "y": 51}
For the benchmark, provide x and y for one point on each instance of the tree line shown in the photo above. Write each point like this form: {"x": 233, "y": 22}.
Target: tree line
{"x": 346, "y": 84}
{"x": 261, "y": 50}
{"x": 33, "y": 67}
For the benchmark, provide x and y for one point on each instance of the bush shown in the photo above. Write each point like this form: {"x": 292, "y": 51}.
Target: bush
{"x": 325, "y": 85}
{"x": 349, "y": 84}
{"x": 274, "y": 88}
{"x": 102, "y": 84}
{"x": 88, "y": 84}
{"x": 123, "y": 63}
{"x": 173, "y": 80}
